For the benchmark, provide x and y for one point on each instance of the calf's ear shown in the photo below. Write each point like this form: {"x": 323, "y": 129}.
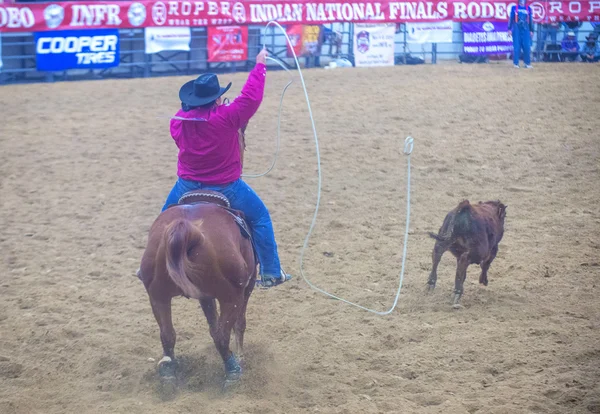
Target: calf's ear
{"x": 502, "y": 210}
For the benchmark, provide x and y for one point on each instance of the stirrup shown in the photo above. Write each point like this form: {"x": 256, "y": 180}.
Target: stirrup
{"x": 268, "y": 281}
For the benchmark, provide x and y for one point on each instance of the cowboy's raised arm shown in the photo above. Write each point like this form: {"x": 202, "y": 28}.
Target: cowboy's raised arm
{"x": 239, "y": 112}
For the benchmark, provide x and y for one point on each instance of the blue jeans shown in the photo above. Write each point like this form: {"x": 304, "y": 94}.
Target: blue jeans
{"x": 242, "y": 198}
{"x": 521, "y": 39}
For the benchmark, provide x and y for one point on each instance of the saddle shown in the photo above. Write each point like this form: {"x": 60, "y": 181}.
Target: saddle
{"x": 218, "y": 199}
{"x": 204, "y": 196}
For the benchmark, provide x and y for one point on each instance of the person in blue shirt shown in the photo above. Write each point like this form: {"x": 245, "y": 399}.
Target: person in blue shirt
{"x": 590, "y": 51}
{"x": 570, "y": 47}
{"x": 521, "y": 25}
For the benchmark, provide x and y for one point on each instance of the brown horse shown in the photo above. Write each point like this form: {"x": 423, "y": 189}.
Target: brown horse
{"x": 201, "y": 249}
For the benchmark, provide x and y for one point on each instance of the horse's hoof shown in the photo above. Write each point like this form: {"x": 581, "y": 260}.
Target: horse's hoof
{"x": 232, "y": 380}
{"x": 168, "y": 388}
{"x": 233, "y": 376}
{"x": 167, "y": 367}
{"x": 455, "y": 300}
{"x": 430, "y": 288}
{"x": 457, "y": 306}
{"x": 167, "y": 371}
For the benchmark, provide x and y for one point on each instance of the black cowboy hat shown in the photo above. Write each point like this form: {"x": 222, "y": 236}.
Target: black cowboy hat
{"x": 201, "y": 91}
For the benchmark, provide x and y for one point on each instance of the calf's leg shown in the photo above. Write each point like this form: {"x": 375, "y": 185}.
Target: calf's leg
{"x": 437, "y": 254}
{"x": 462, "y": 264}
{"x": 485, "y": 265}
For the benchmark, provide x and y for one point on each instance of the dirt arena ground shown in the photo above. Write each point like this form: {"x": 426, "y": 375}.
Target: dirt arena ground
{"x": 85, "y": 168}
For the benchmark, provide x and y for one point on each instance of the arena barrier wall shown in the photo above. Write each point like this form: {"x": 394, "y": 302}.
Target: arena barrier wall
{"x": 34, "y": 56}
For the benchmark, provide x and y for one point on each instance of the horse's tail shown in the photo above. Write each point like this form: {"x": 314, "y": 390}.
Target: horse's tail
{"x": 181, "y": 236}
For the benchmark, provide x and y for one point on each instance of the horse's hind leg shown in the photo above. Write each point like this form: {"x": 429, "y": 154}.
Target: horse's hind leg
{"x": 209, "y": 306}
{"x": 162, "y": 313}
{"x": 227, "y": 319}
{"x": 240, "y": 327}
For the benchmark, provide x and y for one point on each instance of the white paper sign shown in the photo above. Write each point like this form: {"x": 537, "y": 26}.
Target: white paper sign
{"x": 159, "y": 39}
{"x": 374, "y": 44}
{"x": 435, "y": 32}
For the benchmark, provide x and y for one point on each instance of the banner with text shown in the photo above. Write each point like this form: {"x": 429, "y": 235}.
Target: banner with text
{"x": 159, "y": 39}
{"x": 228, "y": 44}
{"x": 434, "y": 32}
{"x": 294, "y": 33}
{"x": 374, "y": 44}
{"x": 77, "y": 49}
{"x": 304, "y": 39}
{"x": 486, "y": 38}
{"x": 311, "y": 40}
{"x": 156, "y": 13}
{"x": 0, "y": 52}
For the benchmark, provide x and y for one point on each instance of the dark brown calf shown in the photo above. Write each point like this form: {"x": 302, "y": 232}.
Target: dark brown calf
{"x": 471, "y": 233}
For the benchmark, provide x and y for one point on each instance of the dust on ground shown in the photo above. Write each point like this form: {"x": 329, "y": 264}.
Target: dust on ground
{"x": 86, "y": 166}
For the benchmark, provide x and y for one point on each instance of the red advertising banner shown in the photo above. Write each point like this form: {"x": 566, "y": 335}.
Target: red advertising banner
{"x": 294, "y": 32}
{"x": 35, "y": 17}
{"x": 305, "y": 39}
{"x": 227, "y": 43}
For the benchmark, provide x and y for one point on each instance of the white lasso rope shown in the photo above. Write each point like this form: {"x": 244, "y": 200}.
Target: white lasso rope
{"x": 408, "y": 147}
{"x": 278, "y": 138}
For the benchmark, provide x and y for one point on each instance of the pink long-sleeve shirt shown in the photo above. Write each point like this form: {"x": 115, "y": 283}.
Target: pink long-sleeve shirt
{"x": 209, "y": 150}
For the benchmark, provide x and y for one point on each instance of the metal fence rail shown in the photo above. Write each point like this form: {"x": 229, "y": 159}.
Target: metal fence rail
{"x": 19, "y": 55}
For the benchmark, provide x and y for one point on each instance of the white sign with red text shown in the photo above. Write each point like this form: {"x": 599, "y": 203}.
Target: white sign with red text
{"x": 159, "y": 39}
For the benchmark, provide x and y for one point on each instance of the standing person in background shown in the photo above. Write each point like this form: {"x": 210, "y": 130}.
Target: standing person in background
{"x": 547, "y": 29}
{"x": 521, "y": 25}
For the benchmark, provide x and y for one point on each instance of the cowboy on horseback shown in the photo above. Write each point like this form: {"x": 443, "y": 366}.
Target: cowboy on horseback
{"x": 206, "y": 133}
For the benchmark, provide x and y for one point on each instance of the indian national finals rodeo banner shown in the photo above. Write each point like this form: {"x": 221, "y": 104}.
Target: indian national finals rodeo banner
{"x": 37, "y": 17}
